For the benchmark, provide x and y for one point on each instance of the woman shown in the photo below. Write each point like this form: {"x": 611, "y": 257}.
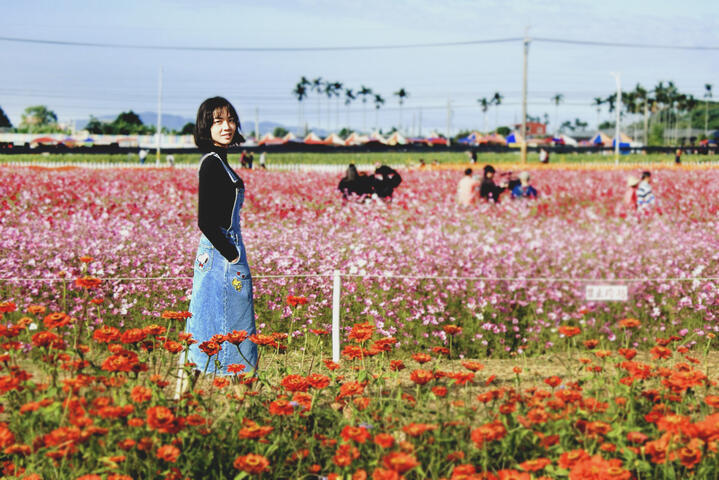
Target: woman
{"x": 222, "y": 287}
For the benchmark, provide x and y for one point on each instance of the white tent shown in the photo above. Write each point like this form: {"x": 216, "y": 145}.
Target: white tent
{"x": 334, "y": 139}
{"x": 396, "y": 139}
{"x": 356, "y": 139}
{"x": 377, "y": 137}
{"x": 313, "y": 139}
{"x": 568, "y": 140}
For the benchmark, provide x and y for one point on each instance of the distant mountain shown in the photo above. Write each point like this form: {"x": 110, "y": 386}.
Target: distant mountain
{"x": 176, "y": 122}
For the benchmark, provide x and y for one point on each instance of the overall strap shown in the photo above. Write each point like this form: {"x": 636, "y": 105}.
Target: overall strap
{"x": 229, "y": 172}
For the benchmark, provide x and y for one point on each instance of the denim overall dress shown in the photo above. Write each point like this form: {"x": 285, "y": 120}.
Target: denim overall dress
{"x": 222, "y": 296}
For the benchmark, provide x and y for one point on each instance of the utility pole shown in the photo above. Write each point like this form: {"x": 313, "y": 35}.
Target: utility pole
{"x": 159, "y": 116}
{"x": 617, "y": 77}
{"x": 523, "y": 147}
{"x": 449, "y": 119}
{"x": 257, "y": 124}
{"x": 420, "y": 122}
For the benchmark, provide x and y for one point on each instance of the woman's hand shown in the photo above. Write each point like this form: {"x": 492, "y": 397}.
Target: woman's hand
{"x": 235, "y": 260}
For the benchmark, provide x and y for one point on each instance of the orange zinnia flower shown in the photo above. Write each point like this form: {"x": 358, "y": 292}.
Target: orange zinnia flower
{"x": 281, "y": 407}
{"x": 629, "y": 323}
{"x": 421, "y": 357}
{"x": 452, "y": 329}
{"x": 140, "y": 394}
{"x": 569, "y": 331}
{"x": 535, "y": 464}
{"x": 168, "y": 453}
{"x": 358, "y": 434}
{"x": 210, "y": 348}
{"x": 295, "y": 383}
{"x": 473, "y": 366}
{"x": 384, "y": 440}
{"x": 236, "y": 337}
{"x": 251, "y": 463}
{"x": 170, "y": 315}
{"x": 88, "y": 282}
{"x": 421, "y": 377}
{"x": 361, "y": 332}
{"x": 568, "y": 459}
{"x": 400, "y": 462}
{"x": 56, "y": 320}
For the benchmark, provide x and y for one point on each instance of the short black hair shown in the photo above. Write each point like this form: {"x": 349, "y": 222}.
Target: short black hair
{"x": 205, "y": 117}
{"x": 646, "y": 174}
{"x": 488, "y": 169}
{"x": 468, "y": 171}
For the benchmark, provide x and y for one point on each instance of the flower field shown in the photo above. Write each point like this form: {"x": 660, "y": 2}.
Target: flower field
{"x": 469, "y": 350}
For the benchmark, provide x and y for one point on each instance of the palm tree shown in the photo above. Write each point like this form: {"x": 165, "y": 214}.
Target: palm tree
{"x": 316, "y": 87}
{"x": 349, "y": 98}
{"x": 496, "y": 100}
{"x": 401, "y": 95}
{"x": 484, "y": 104}
{"x": 337, "y": 91}
{"x": 707, "y": 96}
{"x": 598, "y": 103}
{"x": 300, "y": 92}
{"x": 557, "y": 99}
{"x": 641, "y": 95}
{"x": 329, "y": 90}
{"x": 364, "y": 93}
{"x": 378, "y": 102}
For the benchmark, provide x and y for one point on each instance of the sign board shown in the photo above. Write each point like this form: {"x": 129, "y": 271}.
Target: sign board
{"x": 607, "y": 293}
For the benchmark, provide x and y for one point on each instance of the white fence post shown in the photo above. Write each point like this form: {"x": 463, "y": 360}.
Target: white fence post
{"x": 336, "y": 316}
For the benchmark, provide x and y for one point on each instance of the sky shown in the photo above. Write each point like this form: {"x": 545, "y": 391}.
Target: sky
{"x": 443, "y": 83}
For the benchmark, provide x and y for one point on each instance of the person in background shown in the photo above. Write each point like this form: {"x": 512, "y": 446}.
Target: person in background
{"x": 355, "y": 185}
{"x": 543, "y": 155}
{"x": 467, "y": 189}
{"x": 384, "y": 182}
{"x": 243, "y": 159}
{"x": 629, "y": 202}
{"x": 263, "y": 159}
{"x": 524, "y": 189}
{"x": 678, "y": 156}
{"x": 645, "y": 195}
{"x": 489, "y": 190}
{"x": 170, "y": 160}
{"x": 142, "y": 154}
{"x": 250, "y": 159}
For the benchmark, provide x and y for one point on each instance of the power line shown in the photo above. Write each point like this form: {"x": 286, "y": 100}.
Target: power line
{"x": 361, "y": 47}
{"x": 622, "y": 44}
{"x": 257, "y": 49}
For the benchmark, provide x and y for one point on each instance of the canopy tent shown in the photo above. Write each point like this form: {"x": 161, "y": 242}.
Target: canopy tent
{"x": 356, "y": 139}
{"x": 312, "y": 139}
{"x": 377, "y": 137}
{"x": 290, "y": 137}
{"x": 127, "y": 141}
{"x": 567, "y": 140}
{"x": 437, "y": 141}
{"x": 269, "y": 139}
{"x": 474, "y": 138}
{"x": 333, "y": 139}
{"x": 513, "y": 137}
{"x": 494, "y": 138}
{"x": 601, "y": 139}
{"x": 396, "y": 139}
{"x": 44, "y": 141}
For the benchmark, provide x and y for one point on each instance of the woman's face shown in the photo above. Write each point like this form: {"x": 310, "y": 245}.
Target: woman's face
{"x": 223, "y": 127}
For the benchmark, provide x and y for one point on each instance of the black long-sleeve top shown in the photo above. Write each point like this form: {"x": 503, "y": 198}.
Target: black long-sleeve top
{"x": 216, "y": 201}
{"x": 490, "y": 190}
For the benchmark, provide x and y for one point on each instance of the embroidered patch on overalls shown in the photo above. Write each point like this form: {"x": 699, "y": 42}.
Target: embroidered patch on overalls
{"x": 237, "y": 283}
{"x": 202, "y": 260}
